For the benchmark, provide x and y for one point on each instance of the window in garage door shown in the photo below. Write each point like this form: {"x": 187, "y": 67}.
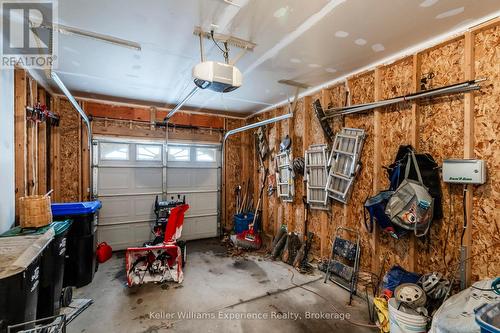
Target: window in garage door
{"x": 130, "y": 174}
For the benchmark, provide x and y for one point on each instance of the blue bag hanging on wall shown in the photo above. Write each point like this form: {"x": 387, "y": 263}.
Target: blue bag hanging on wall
{"x": 376, "y": 208}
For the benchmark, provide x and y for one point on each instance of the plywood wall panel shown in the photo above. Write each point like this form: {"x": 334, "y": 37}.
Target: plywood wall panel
{"x": 486, "y": 219}
{"x": 395, "y": 131}
{"x": 440, "y": 132}
{"x": 362, "y": 89}
{"x": 298, "y": 151}
{"x": 232, "y": 170}
{"x": 69, "y": 152}
{"x": 442, "y": 135}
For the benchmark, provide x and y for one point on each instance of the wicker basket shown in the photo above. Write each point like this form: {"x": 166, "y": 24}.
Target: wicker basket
{"x": 34, "y": 211}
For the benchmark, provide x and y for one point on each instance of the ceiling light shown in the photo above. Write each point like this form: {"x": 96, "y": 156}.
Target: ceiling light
{"x": 428, "y": 3}
{"x": 450, "y": 13}
{"x": 314, "y": 65}
{"x": 281, "y": 12}
{"x": 378, "y": 47}
{"x": 360, "y": 41}
{"x": 341, "y": 34}
{"x": 330, "y": 70}
{"x": 295, "y": 60}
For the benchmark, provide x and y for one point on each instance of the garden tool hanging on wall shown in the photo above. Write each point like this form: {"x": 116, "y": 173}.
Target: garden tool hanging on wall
{"x": 261, "y": 144}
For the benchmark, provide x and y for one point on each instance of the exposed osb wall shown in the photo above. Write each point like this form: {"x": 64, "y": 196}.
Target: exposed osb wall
{"x": 440, "y": 132}
{"x": 233, "y": 166}
{"x": 70, "y": 152}
{"x": 362, "y": 91}
{"x": 486, "y": 230}
{"x": 395, "y": 123}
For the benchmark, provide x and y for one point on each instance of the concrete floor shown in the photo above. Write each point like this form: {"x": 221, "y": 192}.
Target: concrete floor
{"x": 216, "y": 286}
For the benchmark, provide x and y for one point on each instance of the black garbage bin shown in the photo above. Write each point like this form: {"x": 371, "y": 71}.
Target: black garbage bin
{"x": 80, "y": 263}
{"x": 51, "y": 266}
{"x": 19, "y": 278}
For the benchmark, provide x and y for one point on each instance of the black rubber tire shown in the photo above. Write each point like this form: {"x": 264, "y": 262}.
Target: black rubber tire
{"x": 66, "y": 296}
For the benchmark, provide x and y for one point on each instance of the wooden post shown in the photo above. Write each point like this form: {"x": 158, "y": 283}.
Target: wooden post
{"x": 469, "y": 148}
{"x": 31, "y": 141}
{"x": 377, "y": 161}
{"x": 415, "y": 134}
{"x": 85, "y": 167}
{"x": 20, "y": 134}
{"x": 224, "y": 208}
{"x": 55, "y": 158}
{"x": 152, "y": 117}
{"x": 289, "y": 206}
{"x": 323, "y": 216}
{"x": 42, "y": 147}
{"x": 278, "y": 207}
{"x": 306, "y": 136}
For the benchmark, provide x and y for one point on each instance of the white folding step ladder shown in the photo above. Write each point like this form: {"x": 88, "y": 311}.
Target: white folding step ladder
{"x": 316, "y": 173}
{"x": 285, "y": 176}
{"x": 344, "y": 162}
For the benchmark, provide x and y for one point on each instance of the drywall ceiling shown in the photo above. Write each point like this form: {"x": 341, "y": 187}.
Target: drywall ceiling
{"x": 311, "y": 41}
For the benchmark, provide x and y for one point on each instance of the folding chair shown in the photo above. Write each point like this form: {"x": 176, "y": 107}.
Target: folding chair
{"x": 344, "y": 261}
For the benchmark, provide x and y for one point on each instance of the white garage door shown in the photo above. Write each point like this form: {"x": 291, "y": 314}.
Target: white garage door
{"x": 128, "y": 175}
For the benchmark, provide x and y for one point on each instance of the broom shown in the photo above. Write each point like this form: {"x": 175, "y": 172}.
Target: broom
{"x": 250, "y": 239}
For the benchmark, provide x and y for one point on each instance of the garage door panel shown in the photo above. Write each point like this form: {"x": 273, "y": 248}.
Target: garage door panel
{"x": 205, "y": 179}
{"x": 128, "y": 186}
{"x": 179, "y": 179}
{"x": 199, "y": 203}
{"x": 113, "y": 179}
{"x": 147, "y": 179}
{"x": 199, "y": 227}
{"x": 182, "y": 179}
{"x": 119, "y": 237}
{"x": 114, "y": 209}
{"x": 143, "y": 206}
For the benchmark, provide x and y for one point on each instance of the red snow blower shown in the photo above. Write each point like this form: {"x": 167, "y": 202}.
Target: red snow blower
{"x": 159, "y": 261}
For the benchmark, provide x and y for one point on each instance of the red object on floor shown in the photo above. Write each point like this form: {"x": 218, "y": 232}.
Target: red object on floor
{"x": 143, "y": 264}
{"x": 103, "y": 252}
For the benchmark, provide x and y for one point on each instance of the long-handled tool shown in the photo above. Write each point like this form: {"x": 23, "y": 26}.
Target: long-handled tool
{"x": 250, "y": 239}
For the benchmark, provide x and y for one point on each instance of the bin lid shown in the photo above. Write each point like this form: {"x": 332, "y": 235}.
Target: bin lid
{"x": 17, "y": 253}
{"x": 58, "y": 226}
{"x": 75, "y": 208}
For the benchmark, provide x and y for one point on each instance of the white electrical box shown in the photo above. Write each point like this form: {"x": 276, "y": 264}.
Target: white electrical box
{"x": 464, "y": 171}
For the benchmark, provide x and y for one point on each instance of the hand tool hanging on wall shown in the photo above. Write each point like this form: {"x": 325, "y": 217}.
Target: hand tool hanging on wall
{"x": 39, "y": 113}
{"x": 320, "y": 114}
{"x": 262, "y": 146}
{"x": 250, "y": 239}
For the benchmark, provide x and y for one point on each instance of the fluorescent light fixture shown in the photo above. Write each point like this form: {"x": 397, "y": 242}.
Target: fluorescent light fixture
{"x": 66, "y": 30}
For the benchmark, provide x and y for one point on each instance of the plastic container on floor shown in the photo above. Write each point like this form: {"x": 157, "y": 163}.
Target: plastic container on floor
{"x": 51, "y": 266}
{"x": 488, "y": 318}
{"x": 80, "y": 264}
{"x": 19, "y": 277}
{"x": 242, "y": 221}
{"x": 402, "y": 322}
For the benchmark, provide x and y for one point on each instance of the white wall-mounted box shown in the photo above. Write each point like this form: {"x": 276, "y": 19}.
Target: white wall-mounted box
{"x": 464, "y": 171}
